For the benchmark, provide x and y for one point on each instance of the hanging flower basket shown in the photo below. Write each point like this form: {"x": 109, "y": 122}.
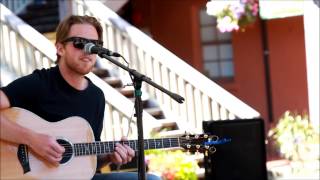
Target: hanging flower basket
{"x": 233, "y": 14}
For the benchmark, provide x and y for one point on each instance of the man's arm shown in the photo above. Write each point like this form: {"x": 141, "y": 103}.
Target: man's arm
{"x": 10, "y": 131}
{"x": 44, "y": 145}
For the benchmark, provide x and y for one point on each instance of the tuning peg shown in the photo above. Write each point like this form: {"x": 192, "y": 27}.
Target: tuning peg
{"x": 212, "y": 149}
{"x": 205, "y": 136}
{"x": 188, "y": 136}
{"x": 188, "y": 152}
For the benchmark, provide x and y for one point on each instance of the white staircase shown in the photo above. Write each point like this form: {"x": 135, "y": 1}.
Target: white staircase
{"x": 205, "y": 100}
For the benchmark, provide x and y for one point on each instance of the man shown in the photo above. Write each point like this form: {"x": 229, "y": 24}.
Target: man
{"x": 63, "y": 91}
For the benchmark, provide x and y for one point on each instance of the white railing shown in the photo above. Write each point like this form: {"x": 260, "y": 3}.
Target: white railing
{"x": 16, "y": 6}
{"x": 205, "y": 100}
{"x": 23, "y": 49}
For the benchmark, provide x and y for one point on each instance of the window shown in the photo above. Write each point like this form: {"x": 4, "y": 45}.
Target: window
{"x": 216, "y": 49}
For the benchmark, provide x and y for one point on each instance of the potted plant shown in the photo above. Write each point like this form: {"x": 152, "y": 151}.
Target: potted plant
{"x": 233, "y": 15}
{"x": 296, "y": 138}
{"x": 172, "y": 165}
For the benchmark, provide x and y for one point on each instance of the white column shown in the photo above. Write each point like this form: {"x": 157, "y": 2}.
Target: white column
{"x": 311, "y": 29}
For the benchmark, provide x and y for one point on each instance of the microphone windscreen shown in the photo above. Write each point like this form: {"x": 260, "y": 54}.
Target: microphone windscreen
{"x": 88, "y": 48}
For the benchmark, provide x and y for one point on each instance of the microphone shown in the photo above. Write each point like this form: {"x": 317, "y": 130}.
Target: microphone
{"x": 90, "y": 48}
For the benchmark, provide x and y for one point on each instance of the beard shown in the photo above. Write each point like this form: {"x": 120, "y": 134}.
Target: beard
{"x": 80, "y": 67}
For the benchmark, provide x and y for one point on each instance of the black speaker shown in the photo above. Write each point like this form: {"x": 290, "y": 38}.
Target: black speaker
{"x": 244, "y": 157}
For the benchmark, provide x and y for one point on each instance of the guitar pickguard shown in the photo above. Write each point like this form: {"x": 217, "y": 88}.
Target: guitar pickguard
{"x": 23, "y": 157}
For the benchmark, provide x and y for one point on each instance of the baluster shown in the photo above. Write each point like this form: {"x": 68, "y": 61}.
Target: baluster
{"x": 20, "y": 51}
{"x": 183, "y": 107}
{"x": 231, "y": 115}
{"x": 150, "y": 73}
{"x": 108, "y": 130}
{"x": 158, "y": 80}
{"x": 14, "y": 53}
{"x": 207, "y": 114}
{"x": 190, "y": 105}
{"x": 116, "y": 124}
{"x": 165, "y": 83}
{"x": 118, "y": 41}
{"x": 223, "y": 113}
{"x": 174, "y": 89}
{"x": 198, "y": 108}
{"x": 8, "y": 47}
{"x": 215, "y": 110}
{"x": 109, "y": 37}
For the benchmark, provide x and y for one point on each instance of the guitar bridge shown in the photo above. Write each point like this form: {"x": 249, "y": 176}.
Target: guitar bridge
{"x": 23, "y": 157}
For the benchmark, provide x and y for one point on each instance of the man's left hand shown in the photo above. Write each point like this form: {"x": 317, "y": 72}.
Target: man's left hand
{"x": 122, "y": 153}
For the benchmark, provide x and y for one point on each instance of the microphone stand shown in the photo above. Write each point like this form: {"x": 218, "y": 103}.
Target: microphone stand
{"x": 137, "y": 82}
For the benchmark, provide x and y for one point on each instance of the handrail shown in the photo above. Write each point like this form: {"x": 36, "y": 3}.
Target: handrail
{"x": 205, "y": 100}
{"x": 23, "y": 49}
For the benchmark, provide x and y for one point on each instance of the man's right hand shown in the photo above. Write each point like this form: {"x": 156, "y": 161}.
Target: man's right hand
{"x": 47, "y": 147}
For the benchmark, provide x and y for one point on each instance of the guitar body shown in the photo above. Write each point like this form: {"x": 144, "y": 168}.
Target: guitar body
{"x": 73, "y": 129}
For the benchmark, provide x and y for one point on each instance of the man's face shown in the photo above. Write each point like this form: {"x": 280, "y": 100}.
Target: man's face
{"x": 76, "y": 59}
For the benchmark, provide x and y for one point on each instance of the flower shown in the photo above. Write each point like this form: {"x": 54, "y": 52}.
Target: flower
{"x": 233, "y": 14}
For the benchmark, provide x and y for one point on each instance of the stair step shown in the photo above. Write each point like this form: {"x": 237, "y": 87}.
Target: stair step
{"x": 40, "y": 7}
{"x": 166, "y": 124}
{"x": 101, "y": 73}
{"x": 114, "y": 82}
{"x": 156, "y": 112}
{"x": 174, "y": 133}
{"x": 47, "y": 19}
{"x": 44, "y": 17}
{"x": 30, "y": 15}
{"x": 45, "y": 28}
{"x": 145, "y": 102}
{"x": 129, "y": 93}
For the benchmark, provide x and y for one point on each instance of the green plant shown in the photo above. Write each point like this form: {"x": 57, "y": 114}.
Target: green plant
{"x": 296, "y": 137}
{"x": 172, "y": 165}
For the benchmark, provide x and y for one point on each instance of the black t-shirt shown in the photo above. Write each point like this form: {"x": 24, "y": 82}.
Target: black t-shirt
{"x": 47, "y": 94}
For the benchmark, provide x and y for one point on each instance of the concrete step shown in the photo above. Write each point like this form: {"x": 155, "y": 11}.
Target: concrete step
{"x": 156, "y": 112}
{"x": 101, "y": 73}
{"x": 173, "y": 133}
{"x": 43, "y": 17}
{"x": 166, "y": 125}
{"x": 114, "y": 82}
{"x": 127, "y": 92}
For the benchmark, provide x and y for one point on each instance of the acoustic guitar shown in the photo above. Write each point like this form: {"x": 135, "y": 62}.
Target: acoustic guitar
{"x": 80, "y": 156}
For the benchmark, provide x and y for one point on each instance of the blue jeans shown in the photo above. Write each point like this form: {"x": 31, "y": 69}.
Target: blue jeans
{"x": 123, "y": 176}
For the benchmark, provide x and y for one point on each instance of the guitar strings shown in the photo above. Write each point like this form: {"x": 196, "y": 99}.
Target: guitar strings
{"x": 101, "y": 148}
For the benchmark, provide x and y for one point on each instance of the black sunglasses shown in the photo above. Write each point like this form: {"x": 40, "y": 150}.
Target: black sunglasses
{"x": 79, "y": 42}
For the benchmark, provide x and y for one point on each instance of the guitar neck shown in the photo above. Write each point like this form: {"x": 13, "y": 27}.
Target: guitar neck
{"x": 81, "y": 149}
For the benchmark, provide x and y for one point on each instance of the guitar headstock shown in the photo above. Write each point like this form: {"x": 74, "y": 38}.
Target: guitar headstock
{"x": 202, "y": 143}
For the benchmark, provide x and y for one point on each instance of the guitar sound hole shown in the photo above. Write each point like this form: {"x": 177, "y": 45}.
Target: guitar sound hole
{"x": 68, "y": 153}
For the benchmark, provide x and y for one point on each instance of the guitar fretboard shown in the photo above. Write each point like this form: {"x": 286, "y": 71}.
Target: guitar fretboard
{"x": 81, "y": 149}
